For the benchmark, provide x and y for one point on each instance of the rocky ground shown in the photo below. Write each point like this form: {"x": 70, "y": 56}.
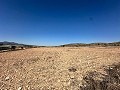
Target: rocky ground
{"x": 53, "y": 68}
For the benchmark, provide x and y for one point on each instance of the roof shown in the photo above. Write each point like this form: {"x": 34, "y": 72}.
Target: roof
{"x": 6, "y": 46}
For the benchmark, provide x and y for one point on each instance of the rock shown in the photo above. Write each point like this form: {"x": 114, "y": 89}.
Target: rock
{"x": 111, "y": 68}
{"x": 72, "y": 69}
{"x": 72, "y": 77}
{"x": 20, "y": 88}
{"x": 7, "y": 78}
{"x": 58, "y": 80}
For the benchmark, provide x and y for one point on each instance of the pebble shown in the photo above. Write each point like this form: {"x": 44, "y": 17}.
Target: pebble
{"x": 7, "y": 78}
{"x": 72, "y": 77}
{"x": 58, "y": 80}
{"x": 20, "y": 88}
{"x": 111, "y": 68}
{"x": 28, "y": 87}
{"x": 84, "y": 85}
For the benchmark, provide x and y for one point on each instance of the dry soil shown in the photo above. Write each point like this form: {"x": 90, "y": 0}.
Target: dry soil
{"x": 52, "y": 68}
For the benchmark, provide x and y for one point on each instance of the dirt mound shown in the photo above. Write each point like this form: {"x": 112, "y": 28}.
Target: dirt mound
{"x": 99, "y": 81}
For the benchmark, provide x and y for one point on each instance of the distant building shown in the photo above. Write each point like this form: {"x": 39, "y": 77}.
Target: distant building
{"x": 10, "y": 47}
{"x": 5, "y": 47}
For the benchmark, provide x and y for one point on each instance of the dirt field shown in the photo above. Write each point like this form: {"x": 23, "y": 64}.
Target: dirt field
{"x": 52, "y": 68}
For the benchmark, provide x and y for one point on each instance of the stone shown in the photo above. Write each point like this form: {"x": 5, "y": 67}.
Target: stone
{"x": 7, "y": 78}
{"x": 20, "y": 88}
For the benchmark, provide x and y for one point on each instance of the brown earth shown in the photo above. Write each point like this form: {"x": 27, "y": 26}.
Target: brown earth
{"x": 53, "y": 68}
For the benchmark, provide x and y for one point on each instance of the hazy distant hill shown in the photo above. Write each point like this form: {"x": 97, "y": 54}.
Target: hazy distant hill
{"x": 8, "y": 43}
{"x": 66, "y": 45}
{"x": 91, "y": 44}
{"x": 13, "y": 43}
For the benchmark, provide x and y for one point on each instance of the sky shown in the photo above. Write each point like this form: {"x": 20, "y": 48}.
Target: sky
{"x": 57, "y": 22}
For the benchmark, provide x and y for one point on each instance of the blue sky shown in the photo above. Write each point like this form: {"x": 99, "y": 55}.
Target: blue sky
{"x": 55, "y": 22}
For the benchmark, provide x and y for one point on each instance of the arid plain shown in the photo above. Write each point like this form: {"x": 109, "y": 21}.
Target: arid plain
{"x": 53, "y": 68}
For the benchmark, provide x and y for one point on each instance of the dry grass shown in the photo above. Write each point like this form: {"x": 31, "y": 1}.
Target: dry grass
{"x": 58, "y": 68}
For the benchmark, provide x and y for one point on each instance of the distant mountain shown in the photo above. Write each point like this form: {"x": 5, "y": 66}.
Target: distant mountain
{"x": 91, "y": 44}
{"x": 8, "y": 43}
{"x": 13, "y": 43}
{"x": 66, "y": 45}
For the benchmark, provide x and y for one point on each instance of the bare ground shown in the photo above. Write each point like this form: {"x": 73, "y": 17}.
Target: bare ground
{"x": 53, "y": 68}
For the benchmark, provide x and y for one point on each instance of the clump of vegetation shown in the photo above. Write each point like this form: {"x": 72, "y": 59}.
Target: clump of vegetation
{"x": 91, "y": 44}
{"x": 72, "y": 69}
{"x": 12, "y": 46}
{"x": 99, "y": 81}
